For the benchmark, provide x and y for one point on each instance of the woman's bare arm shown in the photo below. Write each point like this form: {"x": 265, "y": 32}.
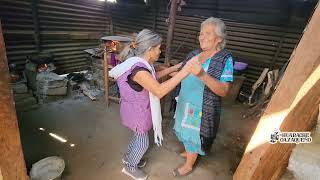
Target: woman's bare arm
{"x": 146, "y": 80}
{"x": 169, "y": 70}
{"x": 216, "y": 86}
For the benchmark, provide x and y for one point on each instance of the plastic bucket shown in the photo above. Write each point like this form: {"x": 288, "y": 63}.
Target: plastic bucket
{"x": 240, "y": 66}
{"x": 50, "y": 168}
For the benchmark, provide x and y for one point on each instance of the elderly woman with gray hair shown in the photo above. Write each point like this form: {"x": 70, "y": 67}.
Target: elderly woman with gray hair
{"x": 198, "y": 108}
{"x": 140, "y": 93}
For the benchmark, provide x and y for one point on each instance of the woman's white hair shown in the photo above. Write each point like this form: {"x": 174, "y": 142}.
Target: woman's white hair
{"x": 220, "y": 29}
{"x": 145, "y": 40}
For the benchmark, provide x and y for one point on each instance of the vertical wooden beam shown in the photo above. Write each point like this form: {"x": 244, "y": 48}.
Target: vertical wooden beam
{"x": 172, "y": 23}
{"x": 155, "y": 14}
{"x": 109, "y": 16}
{"x": 12, "y": 162}
{"x": 292, "y": 108}
{"x": 36, "y": 25}
{"x": 106, "y": 75}
{"x": 284, "y": 30}
{"x": 276, "y": 55}
{"x": 111, "y": 25}
{"x": 1, "y": 177}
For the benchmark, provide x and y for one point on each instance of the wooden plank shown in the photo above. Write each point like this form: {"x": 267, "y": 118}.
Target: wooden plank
{"x": 292, "y": 108}
{"x": 115, "y": 99}
{"x": 106, "y": 76}
{"x": 1, "y": 177}
{"x": 11, "y": 157}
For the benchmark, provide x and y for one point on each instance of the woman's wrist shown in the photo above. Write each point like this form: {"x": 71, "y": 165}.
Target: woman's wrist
{"x": 172, "y": 69}
{"x": 184, "y": 71}
{"x": 176, "y": 67}
{"x": 201, "y": 74}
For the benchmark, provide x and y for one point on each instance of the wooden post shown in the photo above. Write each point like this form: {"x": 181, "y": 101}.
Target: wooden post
{"x": 284, "y": 30}
{"x": 1, "y": 178}
{"x": 155, "y": 14}
{"x": 172, "y": 23}
{"x": 12, "y": 163}
{"x": 106, "y": 75}
{"x": 111, "y": 25}
{"x": 279, "y": 47}
{"x": 36, "y": 25}
{"x": 109, "y": 14}
{"x": 293, "y": 107}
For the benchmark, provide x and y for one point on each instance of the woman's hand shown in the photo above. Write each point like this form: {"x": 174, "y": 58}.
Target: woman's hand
{"x": 163, "y": 70}
{"x": 196, "y": 68}
{"x": 161, "y": 67}
{"x": 188, "y": 67}
{"x": 176, "y": 67}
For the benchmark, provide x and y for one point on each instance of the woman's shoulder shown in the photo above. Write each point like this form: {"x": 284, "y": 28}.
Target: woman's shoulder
{"x": 193, "y": 53}
{"x": 139, "y": 66}
{"x": 137, "y": 62}
{"x": 226, "y": 52}
{"x": 223, "y": 54}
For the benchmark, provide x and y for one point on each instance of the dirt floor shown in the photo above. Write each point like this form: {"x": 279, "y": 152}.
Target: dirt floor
{"x": 100, "y": 141}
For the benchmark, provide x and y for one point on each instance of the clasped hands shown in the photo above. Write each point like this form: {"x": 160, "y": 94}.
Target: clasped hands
{"x": 194, "y": 67}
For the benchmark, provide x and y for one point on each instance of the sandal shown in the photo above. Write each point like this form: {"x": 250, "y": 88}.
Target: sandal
{"x": 176, "y": 173}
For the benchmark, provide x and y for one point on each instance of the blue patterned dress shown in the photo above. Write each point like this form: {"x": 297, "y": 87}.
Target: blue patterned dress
{"x": 189, "y": 107}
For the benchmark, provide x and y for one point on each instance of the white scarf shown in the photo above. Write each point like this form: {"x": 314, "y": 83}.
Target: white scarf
{"x": 120, "y": 69}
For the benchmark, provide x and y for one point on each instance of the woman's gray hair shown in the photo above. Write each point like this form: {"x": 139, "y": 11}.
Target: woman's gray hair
{"x": 220, "y": 29}
{"x": 145, "y": 40}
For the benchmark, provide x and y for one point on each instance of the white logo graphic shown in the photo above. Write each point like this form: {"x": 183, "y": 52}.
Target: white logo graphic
{"x": 290, "y": 137}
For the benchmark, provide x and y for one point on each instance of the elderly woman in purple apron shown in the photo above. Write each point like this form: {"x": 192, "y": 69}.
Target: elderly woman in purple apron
{"x": 198, "y": 108}
{"x": 140, "y": 93}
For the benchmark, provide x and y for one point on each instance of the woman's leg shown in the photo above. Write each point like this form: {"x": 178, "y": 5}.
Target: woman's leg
{"x": 184, "y": 154}
{"x": 188, "y": 165}
{"x": 130, "y": 146}
{"x": 139, "y": 147}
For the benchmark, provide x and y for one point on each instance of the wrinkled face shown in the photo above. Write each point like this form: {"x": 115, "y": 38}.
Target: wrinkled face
{"x": 208, "y": 38}
{"x": 154, "y": 53}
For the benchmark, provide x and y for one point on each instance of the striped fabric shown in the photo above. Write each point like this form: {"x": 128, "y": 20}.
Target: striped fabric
{"x": 211, "y": 108}
{"x": 137, "y": 147}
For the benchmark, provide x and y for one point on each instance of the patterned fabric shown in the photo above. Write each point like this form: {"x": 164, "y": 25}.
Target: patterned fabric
{"x": 227, "y": 74}
{"x": 211, "y": 107}
{"x": 137, "y": 147}
{"x": 189, "y": 112}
